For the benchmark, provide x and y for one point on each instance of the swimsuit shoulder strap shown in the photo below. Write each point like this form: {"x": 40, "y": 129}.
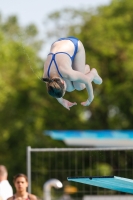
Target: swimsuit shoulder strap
{"x": 28, "y": 197}
{"x": 53, "y": 59}
{"x": 48, "y": 72}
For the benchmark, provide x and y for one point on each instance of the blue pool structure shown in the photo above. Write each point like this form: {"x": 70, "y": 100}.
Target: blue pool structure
{"x": 119, "y": 138}
{"x": 109, "y": 182}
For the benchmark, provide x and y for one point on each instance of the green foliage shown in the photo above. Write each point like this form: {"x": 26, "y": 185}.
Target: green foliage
{"x": 100, "y": 169}
{"x": 107, "y": 36}
{"x": 26, "y": 108}
{"x": 22, "y": 105}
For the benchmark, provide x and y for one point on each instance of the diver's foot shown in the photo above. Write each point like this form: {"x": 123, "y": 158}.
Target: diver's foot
{"x": 97, "y": 79}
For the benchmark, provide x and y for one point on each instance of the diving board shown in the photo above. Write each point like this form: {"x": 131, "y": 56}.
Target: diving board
{"x": 109, "y": 182}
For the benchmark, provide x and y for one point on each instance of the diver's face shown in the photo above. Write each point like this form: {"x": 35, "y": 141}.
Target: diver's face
{"x": 65, "y": 86}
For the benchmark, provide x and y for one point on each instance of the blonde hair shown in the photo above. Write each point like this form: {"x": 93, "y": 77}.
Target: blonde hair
{"x": 3, "y": 171}
{"x": 55, "y": 87}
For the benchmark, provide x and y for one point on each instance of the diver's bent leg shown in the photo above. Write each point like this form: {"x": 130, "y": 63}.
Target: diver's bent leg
{"x": 79, "y": 86}
{"x": 93, "y": 76}
{"x": 87, "y": 69}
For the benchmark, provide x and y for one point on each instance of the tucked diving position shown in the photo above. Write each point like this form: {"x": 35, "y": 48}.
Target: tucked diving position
{"x": 65, "y": 70}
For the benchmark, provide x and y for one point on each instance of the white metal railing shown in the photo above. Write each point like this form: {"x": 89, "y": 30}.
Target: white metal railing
{"x": 29, "y": 150}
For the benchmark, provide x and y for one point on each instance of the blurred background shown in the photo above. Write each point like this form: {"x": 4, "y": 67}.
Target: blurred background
{"x": 27, "y": 112}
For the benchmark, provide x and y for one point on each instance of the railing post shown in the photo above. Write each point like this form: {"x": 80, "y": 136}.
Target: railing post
{"x": 29, "y": 168}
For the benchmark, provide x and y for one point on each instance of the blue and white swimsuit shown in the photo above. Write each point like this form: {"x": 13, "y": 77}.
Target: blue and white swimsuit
{"x": 75, "y": 42}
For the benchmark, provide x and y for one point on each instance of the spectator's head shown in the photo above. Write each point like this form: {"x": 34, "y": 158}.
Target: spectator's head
{"x": 3, "y": 173}
{"x": 20, "y": 182}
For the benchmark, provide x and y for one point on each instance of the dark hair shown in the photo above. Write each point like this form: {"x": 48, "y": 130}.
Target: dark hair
{"x": 55, "y": 87}
{"x": 20, "y": 175}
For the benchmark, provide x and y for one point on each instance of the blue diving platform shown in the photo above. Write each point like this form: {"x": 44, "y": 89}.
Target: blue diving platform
{"x": 109, "y": 182}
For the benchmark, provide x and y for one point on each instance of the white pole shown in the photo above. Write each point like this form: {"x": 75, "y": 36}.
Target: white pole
{"x": 29, "y": 168}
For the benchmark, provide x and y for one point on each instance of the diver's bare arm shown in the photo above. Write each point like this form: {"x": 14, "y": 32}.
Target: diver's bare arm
{"x": 82, "y": 78}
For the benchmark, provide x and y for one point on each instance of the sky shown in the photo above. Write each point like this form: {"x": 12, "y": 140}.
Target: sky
{"x": 35, "y": 11}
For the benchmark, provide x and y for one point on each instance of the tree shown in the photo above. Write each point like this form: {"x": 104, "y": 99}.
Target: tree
{"x": 107, "y": 36}
{"x": 26, "y": 108}
{"x": 109, "y": 45}
{"x": 22, "y": 104}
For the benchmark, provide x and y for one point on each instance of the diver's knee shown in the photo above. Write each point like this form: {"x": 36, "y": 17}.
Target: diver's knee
{"x": 79, "y": 87}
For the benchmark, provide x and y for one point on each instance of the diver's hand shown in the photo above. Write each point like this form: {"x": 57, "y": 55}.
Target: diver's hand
{"x": 87, "y": 103}
{"x": 67, "y": 104}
